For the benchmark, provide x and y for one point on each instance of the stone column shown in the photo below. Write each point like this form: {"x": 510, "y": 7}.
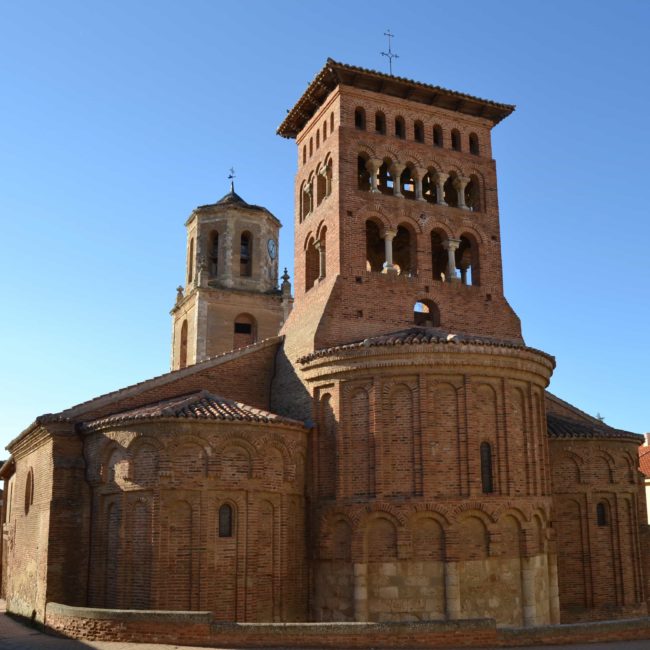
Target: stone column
{"x": 460, "y": 183}
{"x": 451, "y": 246}
{"x": 373, "y": 166}
{"x": 396, "y": 171}
{"x": 320, "y": 247}
{"x": 452, "y": 591}
{"x": 310, "y": 193}
{"x": 553, "y": 590}
{"x": 419, "y": 175}
{"x": 529, "y": 604}
{"x": 389, "y": 235}
{"x": 360, "y": 592}
{"x": 441, "y": 179}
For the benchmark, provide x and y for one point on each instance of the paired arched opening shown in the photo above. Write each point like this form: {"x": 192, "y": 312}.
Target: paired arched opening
{"x": 321, "y": 184}
{"x": 305, "y": 200}
{"x": 380, "y": 123}
{"x": 426, "y": 314}
{"x": 226, "y": 520}
{"x": 450, "y": 191}
{"x": 455, "y": 140}
{"x": 245, "y": 333}
{"x": 311, "y": 264}
{"x": 404, "y": 251}
{"x": 467, "y": 261}
{"x": 430, "y": 187}
{"x": 182, "y": 356}
{"x": 473, "y": 144}
{"x": 407, "y": 183}
{"x": 246, "y": 255}
{"x": 437, "y": 135}
{"x": 213, "y": 254}
{"x": 363, "y": 175}
{"x": 400, "y": 127}
{"x": 385, "y": 181}
{"x": 375, "y": 247}
{"x": 487, "y": 480}
{"x": 439, "y": 256}
{"x": 360, "y": 118}
{"x": 473, "y": 194}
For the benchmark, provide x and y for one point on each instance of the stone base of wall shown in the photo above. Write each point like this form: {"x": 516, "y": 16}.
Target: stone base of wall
{"x": 200, "y": 629}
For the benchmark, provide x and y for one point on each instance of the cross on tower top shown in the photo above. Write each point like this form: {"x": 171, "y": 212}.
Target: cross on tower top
{"x": 231, "y": 177}
{"x": 390, "y": 54}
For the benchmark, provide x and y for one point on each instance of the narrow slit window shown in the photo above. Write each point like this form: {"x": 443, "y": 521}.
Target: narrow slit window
{"x": 225, "y": 520}
{"x": 486, "y": 468}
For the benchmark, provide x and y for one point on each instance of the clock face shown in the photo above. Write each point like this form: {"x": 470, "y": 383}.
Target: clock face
{"x": 272, "y": 246}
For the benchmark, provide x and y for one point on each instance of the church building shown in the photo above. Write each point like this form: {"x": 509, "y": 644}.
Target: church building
{"x": 379, "y": 446}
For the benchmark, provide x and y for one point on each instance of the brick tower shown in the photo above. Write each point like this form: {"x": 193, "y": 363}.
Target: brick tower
{"x": 231, "y": 297}
{"x": 429, "y": 477}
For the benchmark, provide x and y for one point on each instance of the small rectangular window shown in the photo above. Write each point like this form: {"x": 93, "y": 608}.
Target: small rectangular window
{"x": 243, "y": 328}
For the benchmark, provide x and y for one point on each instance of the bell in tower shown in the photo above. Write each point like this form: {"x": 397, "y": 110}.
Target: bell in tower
{"x": 231, "y": 297}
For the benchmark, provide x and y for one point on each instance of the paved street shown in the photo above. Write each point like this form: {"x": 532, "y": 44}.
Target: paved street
{"x": 15, "y": 636}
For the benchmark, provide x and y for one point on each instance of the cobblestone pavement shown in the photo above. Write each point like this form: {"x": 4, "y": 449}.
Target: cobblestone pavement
{"x": 15, "y": 636}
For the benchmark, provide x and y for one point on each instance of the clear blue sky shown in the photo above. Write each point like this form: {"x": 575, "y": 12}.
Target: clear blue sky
{"x": 118, "y": 118}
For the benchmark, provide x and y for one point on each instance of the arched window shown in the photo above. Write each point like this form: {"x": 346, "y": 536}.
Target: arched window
{"x": 321, "y": 184}
{"x": 385, "y": 178}
{"x": 225, "y": 520}
{"x": 190, "y": 262}
{"x": 455, "y": 140}
{"x": 214, "y": 254}
{"x": 305, "y": 200}
{"x": 29, "y": 490}
{"x": 311, "y": 146}
{"x": 182, "y": 357}
{"x": 426, "y": 314}
{"x": 324, "y": 130}
{"x": 360, "y": 118}
{"x": 473, "y": 144}
{"x": 363, "y": 175}
{"x": 418, "y": 131}
{"x": 437, "y": 136}
{"x": 487, "y": 484}
{"x": 407, "y": 183}
{"x": 400, "y": 128}
{"x": 375, "y": 247}
{"x": 244, "y": 331}
{"x": 332, "y": 122}
{"x": 429, "y": 188}
{"x": 601, "y": 514}
{"x": 317, "y": 139}
{"x": 380, "y": 123}
{"x": 304, "y": 154}
{"x": 311, "y": 264}
{"x": 473, "y": 194}
{"x": 328, "y": 176}
{"x": 246, "y": 255}
{"x": 439, "y": 256}
{"x": 404, "y": 251}
{"x": 451, "y": 193}
{"x": 467, "y": 261}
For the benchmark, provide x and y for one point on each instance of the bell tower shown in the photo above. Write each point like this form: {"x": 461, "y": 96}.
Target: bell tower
{"x": 397, "y": 221}
{"x": 231, "y": 297}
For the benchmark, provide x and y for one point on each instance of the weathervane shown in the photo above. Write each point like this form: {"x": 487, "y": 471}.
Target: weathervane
{"x": 231, "y": 177}
{"x": 390, "y": 53}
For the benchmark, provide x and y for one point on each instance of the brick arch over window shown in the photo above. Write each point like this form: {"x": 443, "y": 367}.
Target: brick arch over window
{"x": 400, "y": 127}
{"x": 244, "y": 331}
{"x": 360, "y": 118}
{"x": 418, "y": 131}
{"x": 473, "y": 144}
{"x": 437, "y": 136}
{"x": 456, "y": 144}
{"x": 380, "y": 123}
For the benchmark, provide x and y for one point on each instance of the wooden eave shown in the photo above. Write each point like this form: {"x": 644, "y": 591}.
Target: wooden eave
{"x": 334, "y": 74}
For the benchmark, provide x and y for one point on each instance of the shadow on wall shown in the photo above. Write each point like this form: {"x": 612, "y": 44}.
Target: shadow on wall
{"x": 19, "y": 632}
{"x": 289, "y": 396}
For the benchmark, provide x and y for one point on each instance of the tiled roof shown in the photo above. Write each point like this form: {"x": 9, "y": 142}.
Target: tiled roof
{"x": 421, "y": 336}
{"x": 233, "y": 199}
{"x": 335, "y": 73}
{"x": 201, "y": 405}
{"x": 561, "y": 427}
{"x": 644, "y": 460}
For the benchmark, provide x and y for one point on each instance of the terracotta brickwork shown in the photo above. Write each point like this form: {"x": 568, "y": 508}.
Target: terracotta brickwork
{"x": 389, "y": 469}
